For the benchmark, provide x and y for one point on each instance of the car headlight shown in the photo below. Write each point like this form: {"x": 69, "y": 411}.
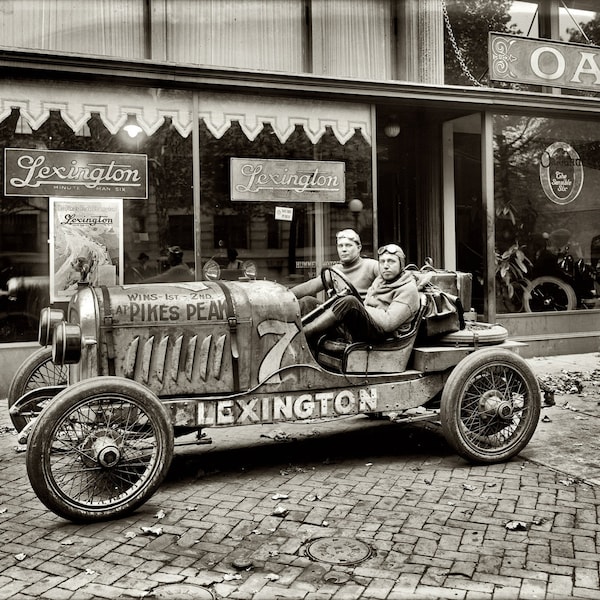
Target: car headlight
{"x": 66, "y": 344}
{"x": 49, "y": 318}
{"x": 249, "y": 268}
{"x": 211, "y": 270}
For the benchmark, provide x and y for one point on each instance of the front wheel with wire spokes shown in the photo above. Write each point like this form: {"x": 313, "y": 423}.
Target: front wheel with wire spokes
{"x": 490, "y": 406}
{"x": 100, "y": 449}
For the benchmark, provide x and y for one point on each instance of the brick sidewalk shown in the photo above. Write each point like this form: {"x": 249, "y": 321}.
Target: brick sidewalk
{"x": 436, "y": 525}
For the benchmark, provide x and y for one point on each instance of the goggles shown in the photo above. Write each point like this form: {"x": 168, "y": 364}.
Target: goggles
{"x": 391, "y": 249}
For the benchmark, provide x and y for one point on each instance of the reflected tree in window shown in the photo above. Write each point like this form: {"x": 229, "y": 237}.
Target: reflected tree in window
{"x": 471, "y": 21}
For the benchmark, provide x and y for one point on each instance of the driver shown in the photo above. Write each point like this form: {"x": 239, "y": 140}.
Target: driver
{"x": 177, "y": 271}
{"x": 360, "y": 272}
{"x": 391, "y": 303}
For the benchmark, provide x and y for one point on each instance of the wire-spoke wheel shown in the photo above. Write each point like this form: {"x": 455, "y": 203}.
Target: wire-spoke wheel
{"x": 37, "y": 371}
{"x": 100, "y": 450}
{"x": 549, "y": 294}
{"x": 490, "y": 406}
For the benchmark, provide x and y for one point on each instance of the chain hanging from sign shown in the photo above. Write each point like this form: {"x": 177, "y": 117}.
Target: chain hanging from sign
{"x": 457, "y": 51}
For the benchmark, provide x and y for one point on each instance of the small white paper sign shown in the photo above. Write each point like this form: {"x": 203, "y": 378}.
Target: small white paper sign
{"x": 284, "y": 213}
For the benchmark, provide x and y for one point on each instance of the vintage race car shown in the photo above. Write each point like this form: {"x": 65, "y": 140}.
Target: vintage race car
{"x": 147, "y": 363}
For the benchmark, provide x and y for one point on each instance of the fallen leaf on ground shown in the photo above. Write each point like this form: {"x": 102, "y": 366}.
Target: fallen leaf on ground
{"x": 568, "y": 481}
{"x": 280, "y": 511}
{"x": 156, "y": 531}
{"x": 516, "y": 525}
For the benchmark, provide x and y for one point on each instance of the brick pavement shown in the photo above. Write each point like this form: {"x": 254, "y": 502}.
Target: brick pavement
{"x": 436, "y": 525}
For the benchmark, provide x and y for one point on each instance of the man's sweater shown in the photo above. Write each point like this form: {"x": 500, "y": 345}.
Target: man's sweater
{"x": 391, "y": 304}
{"x": 361, "y": 273}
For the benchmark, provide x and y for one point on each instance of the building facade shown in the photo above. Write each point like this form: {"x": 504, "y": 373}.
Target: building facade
{"x": 265, "y": 126}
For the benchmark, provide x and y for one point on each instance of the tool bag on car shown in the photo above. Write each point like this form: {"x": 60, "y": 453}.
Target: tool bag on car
{"x": 444, "y": 312}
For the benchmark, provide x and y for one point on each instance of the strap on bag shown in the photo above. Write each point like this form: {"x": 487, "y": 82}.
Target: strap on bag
{"x": 232, "y": 322}
{"x": 107, "y": 327}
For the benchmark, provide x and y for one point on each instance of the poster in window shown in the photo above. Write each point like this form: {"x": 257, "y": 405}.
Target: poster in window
{"x": 86, "y": 238}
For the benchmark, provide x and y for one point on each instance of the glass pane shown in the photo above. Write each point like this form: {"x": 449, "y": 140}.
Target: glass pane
{"x": 352, "y": 38}
{"x": 150, "y": 226}
{"x": 282, "y": 250}
{"x": 547, "y": 174}
{"x": 469, "y": 217}
{"x": 102, "y": 27}
{"x": 466, "y": 34}
{"x": 255, "y": 34}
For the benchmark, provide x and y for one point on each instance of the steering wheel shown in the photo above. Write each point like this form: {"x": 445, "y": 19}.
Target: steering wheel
{"x": 337, "y": 284}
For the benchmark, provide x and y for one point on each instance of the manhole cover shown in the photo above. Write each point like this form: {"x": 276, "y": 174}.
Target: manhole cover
{"x": 182, "y": 591}
{"x": 338, "y": 551}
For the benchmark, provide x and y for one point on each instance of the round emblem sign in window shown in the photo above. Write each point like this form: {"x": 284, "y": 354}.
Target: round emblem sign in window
{"x": 561, "y": 173}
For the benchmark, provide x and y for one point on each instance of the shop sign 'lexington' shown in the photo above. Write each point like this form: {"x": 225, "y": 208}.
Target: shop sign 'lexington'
{"x": 287, "y": 180}
{"x": 30, "y": 172}
{"x": 543, "y": 62}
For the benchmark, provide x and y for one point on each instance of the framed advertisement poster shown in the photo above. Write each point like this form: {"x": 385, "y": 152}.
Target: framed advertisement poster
{"x": 86, "y": 237}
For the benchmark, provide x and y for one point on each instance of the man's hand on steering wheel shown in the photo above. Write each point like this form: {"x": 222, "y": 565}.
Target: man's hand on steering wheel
{"x": 337, "y": 284}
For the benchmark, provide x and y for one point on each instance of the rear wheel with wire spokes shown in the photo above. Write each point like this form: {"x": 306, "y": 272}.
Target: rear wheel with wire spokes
{"x": 490, "y": 406}
{"x": 37, "y": 371}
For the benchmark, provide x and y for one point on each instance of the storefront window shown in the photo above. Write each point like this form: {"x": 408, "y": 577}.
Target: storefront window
{"x": 286, "y": 238}
{"x": 547, "y": 181}
{"x": 283, "y": 248}
{"x": 148, "y": 225}
{"x": 284, "y": 218}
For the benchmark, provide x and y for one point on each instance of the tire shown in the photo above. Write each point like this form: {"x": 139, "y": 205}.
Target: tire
{"x": 483, "y": 334}
{"x": 100, "y": 450}
{"x": 490, "y": 406}
{"x": 37, "y": 371}
{"x": 549, "y": 294}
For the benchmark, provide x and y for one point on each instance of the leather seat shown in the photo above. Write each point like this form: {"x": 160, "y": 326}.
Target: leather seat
{"x": 389, "y": 356}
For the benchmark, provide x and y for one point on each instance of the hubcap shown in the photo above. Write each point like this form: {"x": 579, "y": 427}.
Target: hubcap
{"x": 109, "y": 456}
{"x": 493, "y": 405}
{"x": 102, "y": 448}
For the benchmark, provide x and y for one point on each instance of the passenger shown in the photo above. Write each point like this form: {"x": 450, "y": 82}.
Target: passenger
{"x": 360, "y": 272}
{"x": 232, "y": 259}
{"x": 391, "y": 303}
{"x": 142, "y": 270}
{"x": 177, "y": 271}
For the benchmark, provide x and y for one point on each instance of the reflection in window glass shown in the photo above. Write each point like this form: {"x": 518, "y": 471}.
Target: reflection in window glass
{"x": 149, "y": 226}
{"x": 547, "y": 181}
{"x": 577, "y": 25}
{"x": 524, "y": 15}
{"x": 282, "y": 250}
{"x": 468, "y": 26}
